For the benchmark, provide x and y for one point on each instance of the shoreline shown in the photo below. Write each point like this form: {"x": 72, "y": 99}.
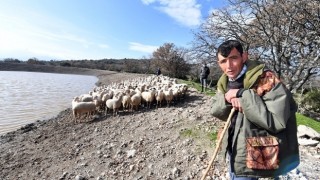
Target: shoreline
{"x": 103, "y": 78}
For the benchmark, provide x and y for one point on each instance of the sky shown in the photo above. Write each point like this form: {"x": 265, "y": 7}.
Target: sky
{"x": 97, "y": 29}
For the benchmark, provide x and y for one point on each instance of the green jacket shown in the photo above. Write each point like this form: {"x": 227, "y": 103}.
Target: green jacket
{"x": 272, "y": 114}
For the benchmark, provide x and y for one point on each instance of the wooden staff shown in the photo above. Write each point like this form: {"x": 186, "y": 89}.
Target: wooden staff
{"x": 226, "y": 126}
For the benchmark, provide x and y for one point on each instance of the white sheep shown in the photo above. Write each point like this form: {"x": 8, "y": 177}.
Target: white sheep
{"x": 98, "y": 97}
{"x": 105, "y": 97}
{"x": 183, "y": 89}
{"x": 168, "y": 96}
{"x": 135, "y": 101}
{"x": 148, "y": 96}
{"x": 134, "y": 92}
{"x": 176, "y": 94}
{"x": 126, "y": 101}
{"x": 114, "y": 103}
{"x": 159, "y": 96}
{"x": 85, "y": 98}
{"x": 79, "y": 108}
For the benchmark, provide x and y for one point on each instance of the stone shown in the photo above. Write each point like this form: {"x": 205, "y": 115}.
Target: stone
{"x": 305, "y": 131}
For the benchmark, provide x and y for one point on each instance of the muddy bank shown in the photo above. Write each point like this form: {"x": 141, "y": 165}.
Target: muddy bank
{"x": 158, "y": 143}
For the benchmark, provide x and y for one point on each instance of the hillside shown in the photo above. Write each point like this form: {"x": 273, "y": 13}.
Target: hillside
{"x": 157, "y": 143}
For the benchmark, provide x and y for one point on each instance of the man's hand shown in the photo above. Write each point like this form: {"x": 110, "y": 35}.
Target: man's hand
{"x": 232, "y": 93}
{"x": 231, "y": 97}
{"x": 236, "y": 104}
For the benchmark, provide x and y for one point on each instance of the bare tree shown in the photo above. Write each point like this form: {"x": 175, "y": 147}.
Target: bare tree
{"x": 171, "y": 60}
{"x": 147, "y": 65}
{"x": 283, "y": 34}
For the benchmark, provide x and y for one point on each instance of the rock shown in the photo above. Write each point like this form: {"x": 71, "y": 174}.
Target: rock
{"x": 80, "y": 177}
{"x": 307, "y": 142}
{"x": 131, "y": 153}
{"x": 176, "y": 172}
{"x": 305, "y": 131}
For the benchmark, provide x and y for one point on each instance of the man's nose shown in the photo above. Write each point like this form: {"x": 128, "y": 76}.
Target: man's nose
{"x": 229, "y": 63}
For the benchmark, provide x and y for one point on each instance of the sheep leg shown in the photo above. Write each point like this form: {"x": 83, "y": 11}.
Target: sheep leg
{"x": 77, "y": 117}
{"x": 106, "y": 111}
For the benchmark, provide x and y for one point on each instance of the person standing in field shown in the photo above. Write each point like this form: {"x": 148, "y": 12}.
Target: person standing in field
{"x": 204, "y": 73}
{"x": 158, "y": 71}
{"x": 261, "y": 141}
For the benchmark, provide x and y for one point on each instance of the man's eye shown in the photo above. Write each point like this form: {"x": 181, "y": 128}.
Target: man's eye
{"x": 222, "y": 62}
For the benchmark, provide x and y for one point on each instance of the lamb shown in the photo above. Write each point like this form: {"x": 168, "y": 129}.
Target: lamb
{"x": 98, "y": 96}
{"x": 79, "y": 108}
{"x": 183, "y": 88}
{"x": 135, "y": 100}
{"x": 176, "y": 94}
{"x": 126, "y": 101}
{"x": 168, "y": 96}
{"x": 105, "y": 97}
{"x": 148, "y": 97}
{"x": 85, "y": 98}
{"x": 114, "y": 104}
{"x": 159, "y": 96}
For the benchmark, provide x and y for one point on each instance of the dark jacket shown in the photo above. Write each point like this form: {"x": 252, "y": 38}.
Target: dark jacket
{"x": 205, "y": 71}
{"x": 270, "y": 115}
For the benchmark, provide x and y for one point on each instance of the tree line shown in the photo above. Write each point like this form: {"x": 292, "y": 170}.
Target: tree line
{"x": 284, "y": 34}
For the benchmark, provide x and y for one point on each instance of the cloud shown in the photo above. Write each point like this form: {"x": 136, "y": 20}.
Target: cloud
{"x": 147, "y": 2}
{"x": 186, "y": 12}
{"x": 44, "y": 36}
{"x": 141, "y": 47}
{"x": 103, "y": 46}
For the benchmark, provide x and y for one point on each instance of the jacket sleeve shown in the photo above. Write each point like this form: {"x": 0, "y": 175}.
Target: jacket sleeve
{"x": 220, "y": 108}
{"x": 271, "y": 111}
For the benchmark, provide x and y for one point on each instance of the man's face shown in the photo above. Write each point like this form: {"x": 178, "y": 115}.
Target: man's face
{"x": 231, "y": 65}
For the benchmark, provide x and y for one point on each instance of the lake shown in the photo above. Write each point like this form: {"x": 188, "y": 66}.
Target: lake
{"x": 26, "y": 97}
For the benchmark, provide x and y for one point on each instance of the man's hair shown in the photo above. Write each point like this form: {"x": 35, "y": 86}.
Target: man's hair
{"x": 225, "y": 48}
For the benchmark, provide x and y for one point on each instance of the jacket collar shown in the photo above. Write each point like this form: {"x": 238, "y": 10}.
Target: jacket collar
{"x": 254, "y": 70}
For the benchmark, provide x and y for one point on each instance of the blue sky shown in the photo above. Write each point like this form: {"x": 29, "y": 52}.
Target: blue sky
{"x": 97, "y": 29}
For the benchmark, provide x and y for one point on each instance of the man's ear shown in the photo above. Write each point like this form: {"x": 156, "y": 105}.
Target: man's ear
{"x": 245, "y": 56}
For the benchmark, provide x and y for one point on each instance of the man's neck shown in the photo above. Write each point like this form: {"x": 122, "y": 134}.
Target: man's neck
{"x": 243, "y": 71}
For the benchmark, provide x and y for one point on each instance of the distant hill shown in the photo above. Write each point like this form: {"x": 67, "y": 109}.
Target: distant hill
{"x": 123, "y": 65}
{"x": 45, "y": 68}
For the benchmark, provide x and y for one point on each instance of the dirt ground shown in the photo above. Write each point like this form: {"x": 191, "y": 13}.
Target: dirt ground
{"x": 158, "y": 143}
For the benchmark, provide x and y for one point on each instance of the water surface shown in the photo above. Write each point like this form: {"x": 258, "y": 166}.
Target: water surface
{"x": 26, "y": 97}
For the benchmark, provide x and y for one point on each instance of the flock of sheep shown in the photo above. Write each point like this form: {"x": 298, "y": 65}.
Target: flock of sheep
{"x": 129, "y": 96}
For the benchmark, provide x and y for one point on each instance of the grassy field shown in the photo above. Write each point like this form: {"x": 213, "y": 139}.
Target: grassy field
{"x": 301, "y": 119}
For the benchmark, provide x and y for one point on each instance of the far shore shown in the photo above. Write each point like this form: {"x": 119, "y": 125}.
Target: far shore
{"x": 102, "y": 75}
